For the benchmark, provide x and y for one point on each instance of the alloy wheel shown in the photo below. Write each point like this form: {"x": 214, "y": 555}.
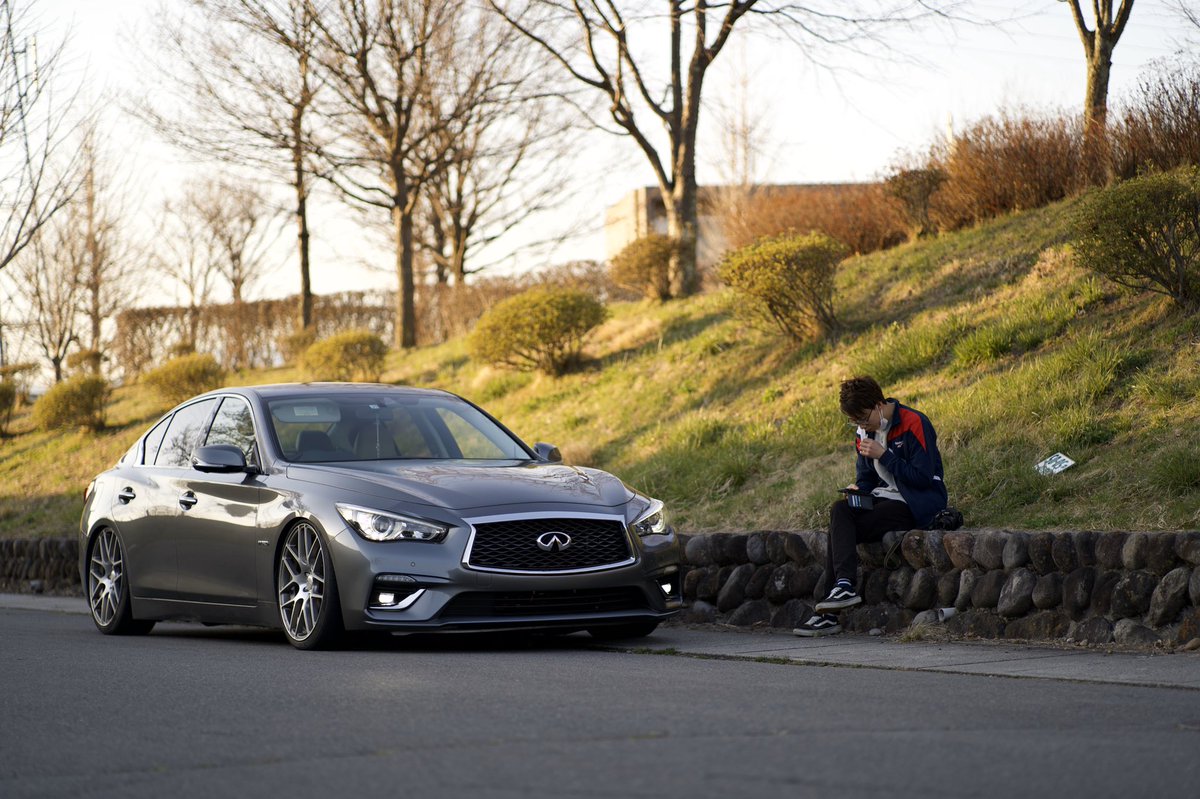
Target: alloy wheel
{"x": 301, "y": 581}
{"x": 106, "y": 576}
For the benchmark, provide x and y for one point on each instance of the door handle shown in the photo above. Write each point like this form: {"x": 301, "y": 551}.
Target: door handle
{"x": 187, "y": 499}
{"x": 126, "y": 495}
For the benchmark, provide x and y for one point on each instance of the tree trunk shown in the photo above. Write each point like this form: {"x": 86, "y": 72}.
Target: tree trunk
{"x": 306, "y": 296}
{"x": 1099, "y": 66}
{"x": 683, "y": 230}
{"x": 405, "y": 334}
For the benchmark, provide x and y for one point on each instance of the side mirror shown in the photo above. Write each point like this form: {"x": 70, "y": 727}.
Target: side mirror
{"x": 220, "y": 458}
{"x": 547, "y": 452}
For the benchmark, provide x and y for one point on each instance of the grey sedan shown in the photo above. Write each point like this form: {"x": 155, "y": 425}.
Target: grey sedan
{"x": 326, "y": 508}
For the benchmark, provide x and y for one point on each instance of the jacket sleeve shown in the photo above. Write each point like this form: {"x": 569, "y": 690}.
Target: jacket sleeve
{"x": 916, "y": 469}
{"x": 865, "y": 476}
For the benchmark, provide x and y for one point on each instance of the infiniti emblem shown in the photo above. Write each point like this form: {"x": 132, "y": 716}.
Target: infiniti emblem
{"x": 553, "y": 541}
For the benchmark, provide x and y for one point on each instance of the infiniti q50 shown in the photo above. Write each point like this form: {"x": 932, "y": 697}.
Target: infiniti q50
{"x": 326, "y": 508}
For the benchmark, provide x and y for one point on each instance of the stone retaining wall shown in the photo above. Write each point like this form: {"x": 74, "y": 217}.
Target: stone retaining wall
{"x": 1132, "y": 588}
{"x": 49, "y": 564}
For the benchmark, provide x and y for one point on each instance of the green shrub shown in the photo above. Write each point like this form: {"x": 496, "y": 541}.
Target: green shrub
{"x": 352, "y": 355}
{"x": 8, "y": 399}
{"x": 78, "y": 402}
{"x": 292, "y": 345}
{"x": 184, "y": 377}
{"x": 85, "y": 361}
{"x": 788, "y": 282}
{"x": 643, "y": 266}
{"x": 540, "y": 329}
{"x": 1145, "y": 234}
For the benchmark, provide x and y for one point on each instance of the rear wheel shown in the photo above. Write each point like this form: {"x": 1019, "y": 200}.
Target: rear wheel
{"x": 307, "y": 591}
{"x": 615, "y": 632}
{"x": 108, "y": 587}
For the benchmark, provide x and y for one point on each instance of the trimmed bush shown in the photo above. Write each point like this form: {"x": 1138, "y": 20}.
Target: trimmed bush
{"x": 913, "y": 189}
{"x": 788, "y": 282}
{"x": 85, "y": 361}
{"x": 78, "y": 402}
{"x": 541, "y": 329}
{"x": 351, "y": 356}
{"x": 1145, "y": 234}
{"x": 184, "y": 377}
{"x": 643, "y": 266}
{"x": 292, "y": 345}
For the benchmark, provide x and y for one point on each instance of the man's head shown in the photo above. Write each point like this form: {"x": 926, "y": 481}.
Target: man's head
{"x": 862, "y": 402}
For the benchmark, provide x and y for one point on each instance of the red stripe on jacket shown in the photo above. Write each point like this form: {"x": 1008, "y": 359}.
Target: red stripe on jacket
{"x": 909, "y": 423}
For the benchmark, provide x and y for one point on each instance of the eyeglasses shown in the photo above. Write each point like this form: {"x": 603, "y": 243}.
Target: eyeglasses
{"x": 861, "y": 422}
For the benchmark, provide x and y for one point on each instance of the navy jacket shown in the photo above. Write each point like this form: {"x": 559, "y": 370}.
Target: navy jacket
{"x": 913, "y": 459}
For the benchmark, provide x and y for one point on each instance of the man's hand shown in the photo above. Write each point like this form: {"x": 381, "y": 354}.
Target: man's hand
{"x": 870, "y": 448}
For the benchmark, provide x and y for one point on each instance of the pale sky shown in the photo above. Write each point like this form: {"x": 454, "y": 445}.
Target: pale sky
{"x": 823, "y": 127}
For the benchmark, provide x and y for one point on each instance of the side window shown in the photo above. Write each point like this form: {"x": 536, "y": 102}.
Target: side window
{"x": 184, "y": 434}
{"x": 154, "y": 440}
{"x": 234, "y": 425}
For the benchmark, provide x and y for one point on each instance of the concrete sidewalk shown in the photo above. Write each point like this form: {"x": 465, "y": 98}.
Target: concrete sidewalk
{"x": 985, "y": 658}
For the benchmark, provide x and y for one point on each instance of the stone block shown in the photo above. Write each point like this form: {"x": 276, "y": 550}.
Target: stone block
{"x": 947, "y": 589}
{"x": 988, "y": 550}
{"x": 1160, "y": 553}
{"x": 1169, "y": 597}
{"x": 1096, "y": 630}
{"x": 1077, "y": 591}
{"x": 966, "y": 586}
{"x": 1189, "y": 625}
{"x": 1132, "y": 593}
{"x": 1128, "y": 632}
{"x": 777, "y": 547}
{"x": 898, "y": 582}
{"x": 1041, "y": 555}
{"x": 749, "y": 614}
{"x": 796, "y": 550}
{"x": 1102, "y": 591}
{"x": 935, "y": 551}
{"x": 791, "y": 614}
{"x": 817, "y": 543}
{"x": 1063, "y": 553}
{"x": 1045, "y": 625}
{"x": 958, "y": 546}
{"x": 756, "y": 548}
{"x": 757, "y": 587}
{"x": 1109, "y": 547}
{"x": 977, "y": 623}
{"x": 1048, "y": 591}
{"x": 886, "y": 617}
{"x": 872, "y": 555}
{"x": 1016, "y": 550}
{"x": 782, "y": 585}
{"x": 922, "y": 589}
{"x": 986, "y": 593}
{"x": 1187, "y": 547}
{"x": 1194, "y": 587}
{"x": 913, "y": 548}
{"x": 1016, "y": 597}
{"x": 875, "y": 587}
{"x": 1133, "y": 554}
{"x": 733, "y": 590}
{"x": 698, "y": 613}
{"x": 1085, "y": 547}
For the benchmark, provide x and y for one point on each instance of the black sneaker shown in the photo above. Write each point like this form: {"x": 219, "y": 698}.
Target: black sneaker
{"x": 838, "y": 598}
{"x": 820, "y": 624}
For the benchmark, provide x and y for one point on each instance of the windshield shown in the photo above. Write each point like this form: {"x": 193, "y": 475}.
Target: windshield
{"x": 318, "y": 428}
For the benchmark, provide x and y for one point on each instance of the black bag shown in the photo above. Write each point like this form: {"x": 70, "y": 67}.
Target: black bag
{"x": 948, "y": 519}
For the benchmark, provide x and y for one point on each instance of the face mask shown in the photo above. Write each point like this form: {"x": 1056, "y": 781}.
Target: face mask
{"x": 884, "y": 423}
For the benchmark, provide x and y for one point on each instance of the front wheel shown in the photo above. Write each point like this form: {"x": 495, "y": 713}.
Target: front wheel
{"x": 307, "y": 591}
{"x": 615, "y": 632}
{"x": 108, "y": 587}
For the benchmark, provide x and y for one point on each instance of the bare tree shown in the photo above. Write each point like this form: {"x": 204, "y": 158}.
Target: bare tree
{"x": 386, "y": 61}
{"x": 244, "y": 72}
{"x": 185, "y": 254}
{"x": 111, "y": 260}
{"x": 1099, "y": 41}
{"x": 37, "y": 178}
{"x": 603, "y": 44}
{"x": 49, "y": 274}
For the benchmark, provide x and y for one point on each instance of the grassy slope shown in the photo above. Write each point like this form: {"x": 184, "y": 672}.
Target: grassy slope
{"x": 1012, "y": 351}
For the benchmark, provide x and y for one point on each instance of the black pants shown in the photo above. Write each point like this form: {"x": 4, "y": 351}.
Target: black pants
{"x": 849, "y": 527}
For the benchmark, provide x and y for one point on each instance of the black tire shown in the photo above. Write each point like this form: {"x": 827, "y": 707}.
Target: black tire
{"x": 310, "y": 621}
{"x": 615, "y": 632}
{"x": 107, "y": 586}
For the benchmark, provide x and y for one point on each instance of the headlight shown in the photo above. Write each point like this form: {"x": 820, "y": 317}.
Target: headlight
{"x": 653, "y": 520}
{"x": 376, "y": 525}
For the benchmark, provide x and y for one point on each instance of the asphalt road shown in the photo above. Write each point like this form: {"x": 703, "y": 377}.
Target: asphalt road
{"x": 209, "y": 712}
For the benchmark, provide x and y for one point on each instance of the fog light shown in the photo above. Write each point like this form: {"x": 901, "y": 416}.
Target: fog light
{"x": 387, "y": 598}
{"x": 667, "y": 586}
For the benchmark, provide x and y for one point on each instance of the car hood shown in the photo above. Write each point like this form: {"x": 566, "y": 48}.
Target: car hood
{"x": 462, "y": 485}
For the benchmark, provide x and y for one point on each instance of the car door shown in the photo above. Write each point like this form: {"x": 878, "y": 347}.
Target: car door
{"x": 218, "y": 529}
{"x": 142, "y": 511}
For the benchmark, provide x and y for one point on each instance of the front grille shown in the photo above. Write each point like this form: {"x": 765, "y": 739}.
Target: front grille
{"x": 512, "y": 545}
{"x": 488, "y": 604}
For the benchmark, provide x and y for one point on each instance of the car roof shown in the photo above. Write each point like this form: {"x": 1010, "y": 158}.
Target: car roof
{"x": 275, "y": 390}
